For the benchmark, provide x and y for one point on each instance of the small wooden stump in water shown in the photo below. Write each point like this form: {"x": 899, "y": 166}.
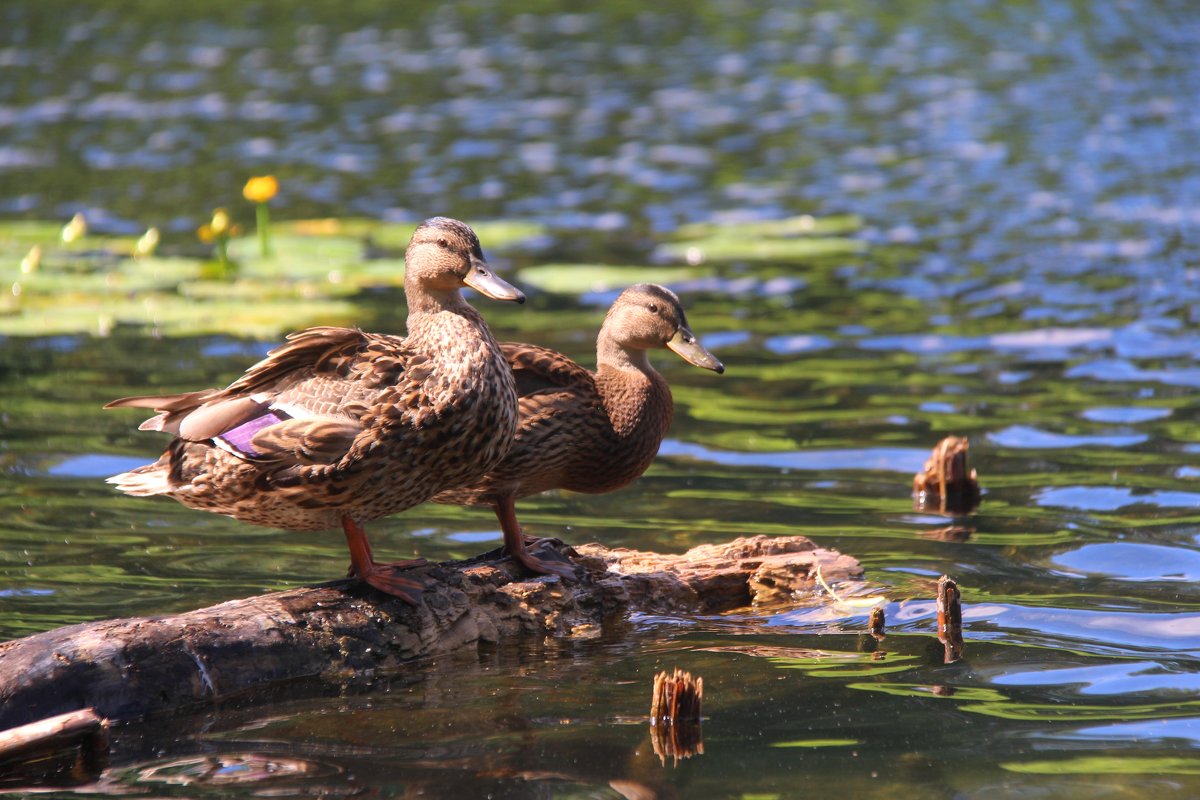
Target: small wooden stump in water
{"x": 947, "y": 484}
{"x": 675, "y": 716}
{"x": 876, "y": 621}
{"x": 949, "y": 618}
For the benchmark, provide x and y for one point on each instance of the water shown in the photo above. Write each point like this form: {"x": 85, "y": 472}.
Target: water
{"x": 1026, "y": 177}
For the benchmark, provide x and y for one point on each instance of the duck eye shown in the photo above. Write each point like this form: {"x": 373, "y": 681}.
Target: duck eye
{"x": 653, "y": 308}
{"x": 443, "y": 243}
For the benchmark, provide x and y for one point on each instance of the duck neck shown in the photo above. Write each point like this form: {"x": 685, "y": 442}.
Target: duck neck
{"x": 449, "y": 329}
{"x": 425, "y": 301}
{"x": 636, "y": 398}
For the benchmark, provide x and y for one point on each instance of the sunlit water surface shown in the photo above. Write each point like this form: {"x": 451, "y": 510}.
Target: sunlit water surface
{"x": 1029, "y": 181}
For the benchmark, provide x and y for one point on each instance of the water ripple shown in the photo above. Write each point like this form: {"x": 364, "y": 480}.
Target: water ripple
{"x": 1029, "y": 437}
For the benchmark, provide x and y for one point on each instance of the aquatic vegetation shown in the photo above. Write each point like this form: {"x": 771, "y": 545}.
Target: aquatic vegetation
{"x": 217, "y": 232}
{"x": 260, "y": 190}
{"x": 1011, "y": 267}
{"x": 310, "y": 272}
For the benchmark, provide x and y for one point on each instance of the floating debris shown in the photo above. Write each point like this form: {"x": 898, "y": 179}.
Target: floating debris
{"x": 947, "y": 484}
{"x": 949, "y": 618}
{"x": 675, "y": 716}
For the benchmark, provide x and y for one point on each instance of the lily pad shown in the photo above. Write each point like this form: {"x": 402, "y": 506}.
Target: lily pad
{"x": 803, "y": 225}
{"x": 580, "y": 278}
{"x": 724, "y": 247}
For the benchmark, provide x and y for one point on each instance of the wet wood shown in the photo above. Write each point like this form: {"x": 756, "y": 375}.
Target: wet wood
{"x": 949, "y": 618}
{"x": 62, "y": 750}
{"x": 876, "y": 622}
{"x": 346, "y": 632}
{"x": 947, "y": 484}
{"x": 675, "y": 731}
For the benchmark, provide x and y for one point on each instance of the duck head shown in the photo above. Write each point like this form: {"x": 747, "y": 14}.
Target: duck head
{"x": 444, "y": 255}
{"x": 647, "y": 317}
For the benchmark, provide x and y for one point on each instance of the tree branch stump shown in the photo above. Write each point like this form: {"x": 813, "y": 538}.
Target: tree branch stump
{"x": 345, "y": 632}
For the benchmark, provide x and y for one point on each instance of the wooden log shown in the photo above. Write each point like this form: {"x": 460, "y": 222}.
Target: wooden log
{"x": 345, "y": 632}
{"x": 63, "y": 750}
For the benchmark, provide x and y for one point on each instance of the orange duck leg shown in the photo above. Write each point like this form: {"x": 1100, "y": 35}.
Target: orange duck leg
{"x": 387, "y": 578}
{"x": 552, "y": 562}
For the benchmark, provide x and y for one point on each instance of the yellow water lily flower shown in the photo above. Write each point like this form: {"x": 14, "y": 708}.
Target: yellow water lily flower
{"x": 260, "y": 189}
{"x": 75, "y": 229}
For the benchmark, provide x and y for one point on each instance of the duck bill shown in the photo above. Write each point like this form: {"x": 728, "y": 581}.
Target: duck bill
{"x": 686, "y": 347}
{"x": 489, "y": 284}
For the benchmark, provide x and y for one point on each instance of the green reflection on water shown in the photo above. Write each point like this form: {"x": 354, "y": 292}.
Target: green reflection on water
{"x": 1078, "y": 712}
{"x": 1108, "y": 765}
{"x": 814, "y": 743}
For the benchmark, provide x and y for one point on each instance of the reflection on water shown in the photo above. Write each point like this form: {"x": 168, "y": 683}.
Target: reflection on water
{"x": 1016, "y": 266}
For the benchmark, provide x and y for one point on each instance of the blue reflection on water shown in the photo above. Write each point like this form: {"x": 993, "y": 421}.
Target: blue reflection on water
{"x": 94, "y": 465}
{"x": 1027, "y": 436}
{"x": 1092, "y": 630}
{"x": 798, "y": 343}
{"x": 1121, "y": 371}
{"x": 1127, "y": 416}
{"x": 1187, "y": 728}
{"x": 888, "y": 459}
{"x": 1127, "y": 677}
{"x": 1133, "y": 562}
{"x": 1111, "y": 498}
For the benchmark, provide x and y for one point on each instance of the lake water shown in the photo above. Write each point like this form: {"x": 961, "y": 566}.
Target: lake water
{"x": 1020, "y": 268}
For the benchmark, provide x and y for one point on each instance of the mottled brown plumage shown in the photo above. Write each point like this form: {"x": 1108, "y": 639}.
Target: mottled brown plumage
{"x": 590, "y": 432}
{"x": 338, "y": 426}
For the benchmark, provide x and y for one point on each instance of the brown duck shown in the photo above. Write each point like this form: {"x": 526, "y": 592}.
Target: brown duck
{"x": 590, "y": 432}
{"x": 339, "y": 427}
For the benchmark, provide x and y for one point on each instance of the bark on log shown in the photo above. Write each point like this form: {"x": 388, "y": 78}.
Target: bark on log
{"x": 65, "y": 750}
{"x": 344, "y": 631}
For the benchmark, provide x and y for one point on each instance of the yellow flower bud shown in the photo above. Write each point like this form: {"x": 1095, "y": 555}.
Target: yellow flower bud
{"x": 32, "y": 260}
{"x": 261, "y": 189}
{"x": 75, "y": 229}
{"x": 147, "y": 244}
{"x": 220, "y": 222}
{"x": 205, "y": 234}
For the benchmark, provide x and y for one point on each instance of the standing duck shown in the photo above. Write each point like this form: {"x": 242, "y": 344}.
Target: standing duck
{"x": 340, "y": 427}
{"x": 590, "y": 432}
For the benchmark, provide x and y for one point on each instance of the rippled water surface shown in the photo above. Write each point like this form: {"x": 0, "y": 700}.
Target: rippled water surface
{"x": 1022, "y": 185}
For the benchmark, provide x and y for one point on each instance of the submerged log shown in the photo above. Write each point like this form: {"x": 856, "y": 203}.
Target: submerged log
{"x": 345, "y": 632}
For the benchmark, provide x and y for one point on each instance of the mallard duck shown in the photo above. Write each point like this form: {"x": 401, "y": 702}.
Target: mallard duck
{"x": 340, "y": 427}
{"x": 586, "y": 431}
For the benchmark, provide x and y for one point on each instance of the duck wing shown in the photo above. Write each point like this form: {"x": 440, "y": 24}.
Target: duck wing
{"x": 307, "y": 402}
{"x": 539, "y": 369}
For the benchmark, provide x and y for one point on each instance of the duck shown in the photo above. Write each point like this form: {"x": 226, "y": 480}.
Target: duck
{"x": 582, "y": 430}
{"x": 339, "y": 427}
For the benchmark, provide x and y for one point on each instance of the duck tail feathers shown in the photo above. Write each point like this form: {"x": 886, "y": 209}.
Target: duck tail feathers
{"x": 142, "y": 482}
